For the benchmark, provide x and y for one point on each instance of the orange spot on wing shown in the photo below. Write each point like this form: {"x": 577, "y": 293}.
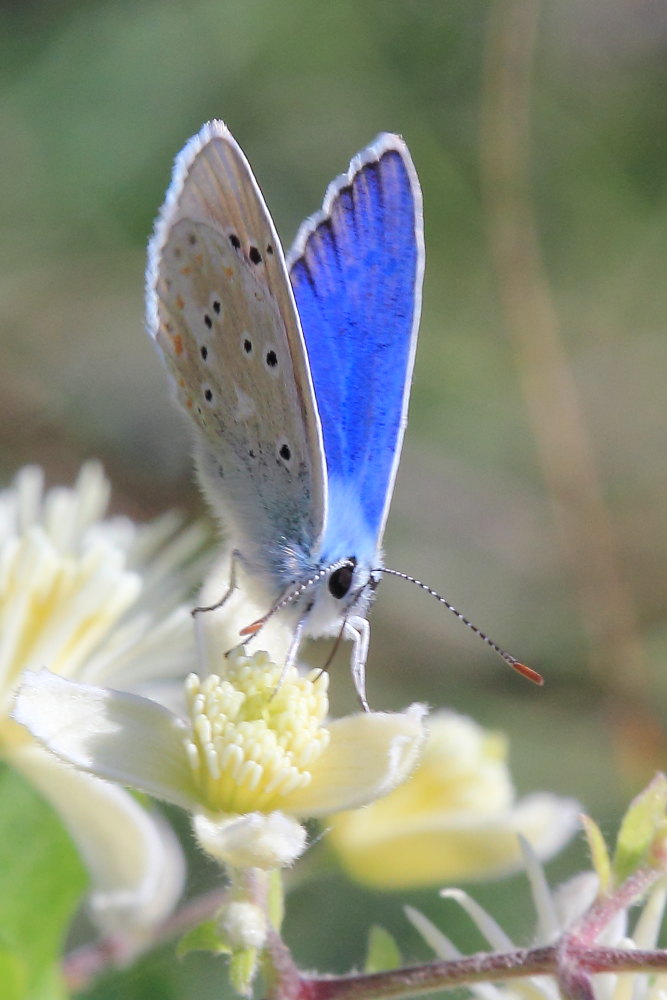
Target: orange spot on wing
{"x": 229, "y": 272}
{"x": 199, "y": 259}
{"x": 186, "y": 271}
{"x": 180, "y": 302}
{"x": 188, "y": 402}
{"x": 177, "y": 341}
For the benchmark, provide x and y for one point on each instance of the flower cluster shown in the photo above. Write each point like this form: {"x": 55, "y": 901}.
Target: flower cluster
{"x": 98, "y": 690}
{"x": 100, "y": 599}
{"x": 456, "y": 819}
{"x": 249, "y": 755}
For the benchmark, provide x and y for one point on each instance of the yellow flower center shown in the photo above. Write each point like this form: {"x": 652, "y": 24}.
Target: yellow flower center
{"x": 254, "y": 733}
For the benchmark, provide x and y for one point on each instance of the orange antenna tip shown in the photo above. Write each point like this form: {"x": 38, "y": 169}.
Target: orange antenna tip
{"x": 253, "y": 628}
{"x": 529, "y": 673}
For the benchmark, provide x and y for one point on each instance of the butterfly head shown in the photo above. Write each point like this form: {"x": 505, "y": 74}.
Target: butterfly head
{"x": 340, "y": 580}
{"x": 347, "y": 592}
{"x": 324, "y": 600}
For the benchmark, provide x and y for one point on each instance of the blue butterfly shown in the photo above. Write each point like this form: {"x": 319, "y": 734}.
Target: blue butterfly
{"x": 295, "y": 372}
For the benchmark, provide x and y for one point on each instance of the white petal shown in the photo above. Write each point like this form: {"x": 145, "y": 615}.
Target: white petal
{"x": 546, "y": 821}
{"x": 488, "y": 927}
{"x": 573, "y": 898}
{"x": 443, "y": 946}
{"x": 445, "y": 949}
{"x": 134, "y": 860}
{"x": 111, "y": 734}
{"x": 140, "y": 649}
{"x": 548, "y": 925}
{"x": 417, "y": 846}
{"x": 647, "y": 929}
{"x": 256, "y": 840}
{"x": 219, "y": 631}
{"x": 369, "y": 754}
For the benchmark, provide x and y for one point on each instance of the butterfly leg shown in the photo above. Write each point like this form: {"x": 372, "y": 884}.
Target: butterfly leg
{"x": 290, "y": 659}
{"x": 236, "y": 557}
{"x": 291, "y": 652}
{"x": 359, "y": 631}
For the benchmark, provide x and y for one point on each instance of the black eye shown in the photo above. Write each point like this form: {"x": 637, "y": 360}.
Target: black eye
{"x": 340, "y": 580}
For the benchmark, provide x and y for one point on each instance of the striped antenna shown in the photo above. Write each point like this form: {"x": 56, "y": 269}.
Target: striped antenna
{"x": 293, "y": 594}
{"x": 520, "y": 668}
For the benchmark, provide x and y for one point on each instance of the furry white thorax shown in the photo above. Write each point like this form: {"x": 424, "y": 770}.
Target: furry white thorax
{"x": 267, "y": 574}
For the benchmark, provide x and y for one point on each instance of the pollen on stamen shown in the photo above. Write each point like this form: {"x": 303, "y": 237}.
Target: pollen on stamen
{"x": 212, "y": 763}
{"x": 194, "y": 758}
{"x": 254, "y": 733}
{"x": 250, "y": 774}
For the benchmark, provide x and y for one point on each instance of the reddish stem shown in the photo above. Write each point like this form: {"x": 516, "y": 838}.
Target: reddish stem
{"x": 572, "y": 967}
{"x": 604, "y": 909}
{"x": 417, "y": 979}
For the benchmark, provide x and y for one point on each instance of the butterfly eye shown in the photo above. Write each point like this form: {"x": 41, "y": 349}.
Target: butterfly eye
{"x": 340, "y": 580}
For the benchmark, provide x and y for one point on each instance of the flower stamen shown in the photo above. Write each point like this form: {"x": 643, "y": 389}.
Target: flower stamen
{"x": 254, "y": 734}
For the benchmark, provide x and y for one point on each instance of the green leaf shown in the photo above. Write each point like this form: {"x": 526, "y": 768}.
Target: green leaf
{"x": 204, "y": 937}
{"x": 13, "y": 975}
{"x": 276, "y": 899}
{"x": 41, "y": 883}
{"x": 382, "y": 951}
{"x": 599, "y": 853}
{"x": 242, "y": 970}
{"x": 207, "y": 937}
{"x": 640, "y": 825}
{"x": 49, "y": 986}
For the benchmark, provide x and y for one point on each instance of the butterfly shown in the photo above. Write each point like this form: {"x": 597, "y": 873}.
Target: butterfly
{"x": 295, "y": 371}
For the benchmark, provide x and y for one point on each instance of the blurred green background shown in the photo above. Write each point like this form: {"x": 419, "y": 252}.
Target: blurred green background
{"x": 531, "y": 490}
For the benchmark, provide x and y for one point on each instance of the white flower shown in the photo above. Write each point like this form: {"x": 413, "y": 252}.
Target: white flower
{"x": 557, "y": 913}
{"x": 96, "y": 599}
{"x": 252, "y": 755}
{"x": 455, "y": 818}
